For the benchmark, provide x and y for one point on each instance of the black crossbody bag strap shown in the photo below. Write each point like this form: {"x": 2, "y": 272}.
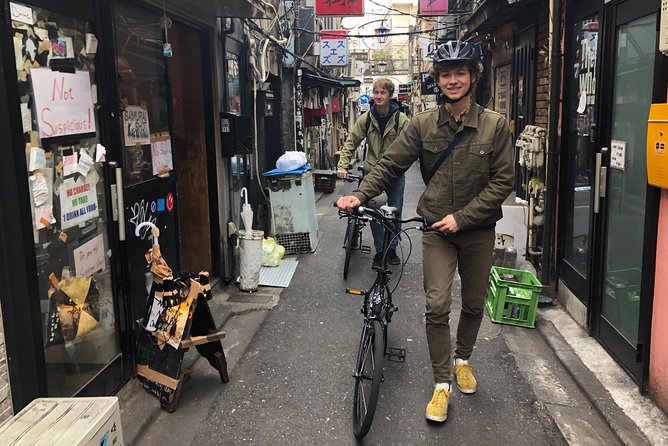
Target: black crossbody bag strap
{"x": 445, "y": 155}
{"x": 449, "y": 150}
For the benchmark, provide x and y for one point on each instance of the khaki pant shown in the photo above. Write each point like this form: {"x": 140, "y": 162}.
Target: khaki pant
{"x": 471, "y": 251}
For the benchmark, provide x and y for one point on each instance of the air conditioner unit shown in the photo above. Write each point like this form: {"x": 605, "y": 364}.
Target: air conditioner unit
{"x": 66, "y": 422}
{"x": 294, "y": 222}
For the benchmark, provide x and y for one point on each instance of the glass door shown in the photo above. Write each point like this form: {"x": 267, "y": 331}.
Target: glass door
{"x": 55, "y": 56}
{"x": 150, "y": 193}
{"x": 623, "y": 211}
{"x": 580, "y": 143}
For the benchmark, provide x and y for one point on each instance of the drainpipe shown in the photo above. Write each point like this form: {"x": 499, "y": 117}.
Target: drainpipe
{"x": 552, "y": 168}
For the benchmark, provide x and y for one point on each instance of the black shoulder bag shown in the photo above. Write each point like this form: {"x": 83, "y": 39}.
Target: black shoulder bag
{"x": 449, "y": 149}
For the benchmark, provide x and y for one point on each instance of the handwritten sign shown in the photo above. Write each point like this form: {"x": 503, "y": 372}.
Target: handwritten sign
{"x": 433, "y": 7}
{"x": 78, "y": 202}
{"x": 63, "y": 102}
{"x": 89, "y": 257}
{"x": 618, "y": 154}
{"x": 135, "y": 125}
{"x": 161, "y": 155}
{"x": 20, "y": 13}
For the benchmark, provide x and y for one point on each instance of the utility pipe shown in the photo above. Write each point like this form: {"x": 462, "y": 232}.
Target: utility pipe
{"x": 552, "y": 152}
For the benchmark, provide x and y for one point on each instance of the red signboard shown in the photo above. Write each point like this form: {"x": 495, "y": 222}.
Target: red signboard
{"x": 339, "y": 7}
{"x": 432, "y": 7}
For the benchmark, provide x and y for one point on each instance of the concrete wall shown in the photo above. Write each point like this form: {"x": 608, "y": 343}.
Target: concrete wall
{"x": 658, "y": 362}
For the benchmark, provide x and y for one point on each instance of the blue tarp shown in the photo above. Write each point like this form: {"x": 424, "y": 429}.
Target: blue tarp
{"x": 275, "y": 172}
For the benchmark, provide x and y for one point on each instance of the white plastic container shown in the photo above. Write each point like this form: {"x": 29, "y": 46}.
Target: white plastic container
{"x": 65, "y": 422}
{"x": 251, "y": 252}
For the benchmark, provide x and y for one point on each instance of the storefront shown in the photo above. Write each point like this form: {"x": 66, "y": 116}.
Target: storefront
{"x": 608, "y": 213}
{"x": 111, "y": 121}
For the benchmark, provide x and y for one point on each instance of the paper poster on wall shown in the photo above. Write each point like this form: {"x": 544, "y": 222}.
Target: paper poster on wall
{"x": 44, "y": 216}
{"x": 618, "y": 154}
{"x": 61, "y": 48}
{"x": 37, "y": 159}
{"x": 70, "y": 163}
{"x": 161, "y": 154}
{"x": 39, "y": 188}
{"x": 89, "y": 257}
{"x": 78, "y": 202}
{"x": 63, "y": 102}
{"x": 135, "y": 125}
{"x": 20, "y": 13}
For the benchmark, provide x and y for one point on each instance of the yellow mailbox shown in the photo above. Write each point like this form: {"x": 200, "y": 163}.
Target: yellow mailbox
{"x": 657, "y": 140}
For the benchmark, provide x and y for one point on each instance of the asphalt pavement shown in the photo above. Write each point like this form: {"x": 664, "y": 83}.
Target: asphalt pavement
{"x": 294, "y": 383}
{"x": 291, "y": 353}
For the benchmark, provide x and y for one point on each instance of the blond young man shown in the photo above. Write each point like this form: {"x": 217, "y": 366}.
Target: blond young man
{"x": 380, "y": 126}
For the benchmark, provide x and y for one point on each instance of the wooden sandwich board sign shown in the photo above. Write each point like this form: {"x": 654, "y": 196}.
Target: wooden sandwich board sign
{"x": 160, "y": 352}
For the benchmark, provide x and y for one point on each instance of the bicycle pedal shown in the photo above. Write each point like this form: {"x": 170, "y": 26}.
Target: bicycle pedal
{"x": 396, "y": 354}
{"x": 366, "y": 249}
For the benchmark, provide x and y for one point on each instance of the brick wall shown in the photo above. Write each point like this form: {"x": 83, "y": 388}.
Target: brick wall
{"x": 543, "y": 72}
{"x": 6, "y": 410}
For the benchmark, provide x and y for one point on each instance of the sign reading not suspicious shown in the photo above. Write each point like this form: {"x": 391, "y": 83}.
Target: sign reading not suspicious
{"x": 333, "y": 48}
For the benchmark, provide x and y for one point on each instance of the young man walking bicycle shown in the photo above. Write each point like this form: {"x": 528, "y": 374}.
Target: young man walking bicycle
{"x": 466, "y": 160}
{"x": 380, "y": 126}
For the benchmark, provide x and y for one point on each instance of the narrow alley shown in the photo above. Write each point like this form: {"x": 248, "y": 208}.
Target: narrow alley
{"x": 293, "y": 384}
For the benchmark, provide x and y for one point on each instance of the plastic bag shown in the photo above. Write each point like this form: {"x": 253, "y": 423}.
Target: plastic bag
{"x": 272, "y": 252}
{"x": 291, "y": 160}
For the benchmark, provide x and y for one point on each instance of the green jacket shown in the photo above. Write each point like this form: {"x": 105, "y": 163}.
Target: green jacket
{"x": 471, "y": 184}
{"x": 377, "y": 145}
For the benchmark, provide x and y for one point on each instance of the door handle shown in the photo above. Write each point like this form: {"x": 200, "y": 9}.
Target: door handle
{"x": 600, "y": 179}
{"x": 120, "y": 203}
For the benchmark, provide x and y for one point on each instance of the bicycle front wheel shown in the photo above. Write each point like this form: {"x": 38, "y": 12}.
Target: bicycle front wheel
{"x": 368, "y": 375}
{"x": 350, "y": 244}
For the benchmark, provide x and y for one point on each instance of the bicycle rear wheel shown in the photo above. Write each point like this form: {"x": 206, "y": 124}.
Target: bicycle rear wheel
{"x": 350, "y": 243}
{"x": 368, "y": 375}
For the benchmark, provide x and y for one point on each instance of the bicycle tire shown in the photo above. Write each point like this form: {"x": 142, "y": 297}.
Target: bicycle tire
{"x": 368, "y": 368}
{"x": 350, "y": 243}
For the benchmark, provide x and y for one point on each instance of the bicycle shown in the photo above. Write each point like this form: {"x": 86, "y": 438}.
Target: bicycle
{"x": 377, "y": 309}
{"x": 352, "y": 240}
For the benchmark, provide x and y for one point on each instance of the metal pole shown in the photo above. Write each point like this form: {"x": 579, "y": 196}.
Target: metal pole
{"x": 552, "y": 152}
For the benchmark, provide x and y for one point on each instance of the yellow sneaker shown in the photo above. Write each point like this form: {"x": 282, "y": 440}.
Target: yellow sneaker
{"x": 466, "y": 382}
{"x": 437, "y": 409}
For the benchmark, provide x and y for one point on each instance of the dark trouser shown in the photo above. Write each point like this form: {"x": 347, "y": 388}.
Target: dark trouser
{"x": 471, "y": 252}
{"x": 395, "y": 198}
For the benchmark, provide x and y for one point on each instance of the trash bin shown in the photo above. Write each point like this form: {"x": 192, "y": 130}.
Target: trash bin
{"x": 250, "y": 253}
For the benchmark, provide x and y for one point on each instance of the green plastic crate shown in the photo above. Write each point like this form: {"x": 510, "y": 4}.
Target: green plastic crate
{"x": 513, "y": 301}
{"x": 622, "y": 303}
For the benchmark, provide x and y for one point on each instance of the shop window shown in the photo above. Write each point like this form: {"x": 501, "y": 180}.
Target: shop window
{"x": 233, "y": 84}
{"x": 55, "y": 64}
{"x": 143, "y": 91}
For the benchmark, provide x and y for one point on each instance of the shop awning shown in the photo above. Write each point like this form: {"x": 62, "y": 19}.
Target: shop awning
{"x": 312, "y": 79}
{"x": 494, "y": 13}
{"x": 207, "y": 11}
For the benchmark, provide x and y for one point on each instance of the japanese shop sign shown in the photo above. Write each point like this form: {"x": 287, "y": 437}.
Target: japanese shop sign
{"x": 78, "y": 202}
{"x": 339, "y": 7}
{"x": 63, "y": 102}
{"x": 432, "y": 7}
{"x": 333, "y": 48}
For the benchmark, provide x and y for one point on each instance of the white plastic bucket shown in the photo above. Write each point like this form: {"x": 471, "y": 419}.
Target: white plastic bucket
{"x": 251, "y": 251}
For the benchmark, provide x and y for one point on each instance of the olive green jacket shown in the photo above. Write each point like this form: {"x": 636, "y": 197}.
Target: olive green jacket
{"x": 377, "y": 145}
{"x": 473, "y": 181}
